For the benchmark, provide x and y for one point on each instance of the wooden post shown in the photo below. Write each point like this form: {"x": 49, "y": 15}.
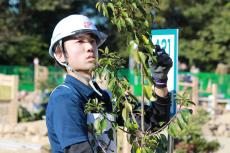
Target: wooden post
{"x": 125, "y": 143}
{"x": 195, "y": 93}
{"x": 13, "y": 118}
{"x": 8, "y": 99}
{"x": 36, "y": 72}
{"x": 214, "y": 98}
{"x": 40, "y": 74}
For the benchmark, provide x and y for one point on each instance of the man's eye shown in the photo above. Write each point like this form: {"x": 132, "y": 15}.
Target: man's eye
{"x": 80, "y": 41}
{"x": 93, "y": 41}
{"x": 86, "y": 41}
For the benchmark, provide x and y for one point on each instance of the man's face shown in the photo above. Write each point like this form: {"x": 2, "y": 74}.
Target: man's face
{"x": 81, "y": 52}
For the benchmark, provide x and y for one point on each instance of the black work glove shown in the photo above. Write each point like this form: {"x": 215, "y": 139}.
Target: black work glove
{"x": 160, "y": 70}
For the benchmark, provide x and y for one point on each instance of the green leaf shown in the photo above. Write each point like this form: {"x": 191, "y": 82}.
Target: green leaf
{"x": 126, "y": 111}
{"x": 106, "y": 50}
{"x": 130, "y": 21}
{"x": 145, "y": 39}
{"x": 124, "y": 14}
{"x": 138, "y": 150}
{"x": 118, "y": 24}
{"x": 122, "y": 22}
{"x": 97, "y": 4}
{"x": 110, "y": 5}
{"x": 125, "y": 114}
{"x": 135, "y": 57}
{"x": 100, "y": 125}
{"x": 105, "y": 11}
{"x": 142, "y": 57}
{"x": 136, "y": 39}
{"x": 190, "y": 103}
{"x": 185, "y": 114}
{"x": 142, "y": 10}
{"x": 146, "y": 23}
{"x": 148, "y": 92}
{"x": 129, "y": 106}
{"x": 134, "y": 5}
{"x": 172, "y": 130}
{"x": 180, "y": 122}
{"x": 146, "y": 150}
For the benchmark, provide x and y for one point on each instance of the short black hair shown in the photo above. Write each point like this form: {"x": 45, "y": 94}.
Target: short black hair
{"x": 94, "y": 36}
{"x": 62, "y": 48}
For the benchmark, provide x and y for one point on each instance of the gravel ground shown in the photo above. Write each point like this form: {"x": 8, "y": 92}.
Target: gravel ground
{"x": 16, "y": 146}
{"x": 19, "y": 151}
{"x": 224, "y": 142}
{"x": 29, "y": 146}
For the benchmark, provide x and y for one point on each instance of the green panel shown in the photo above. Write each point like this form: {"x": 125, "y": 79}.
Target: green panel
{"x": 123, "y": 73}
{"x": 137, "y": 90}
{"x": 56, "y": 76}
{"x": 26, "y": 76}
{"x": 207, "y": 79}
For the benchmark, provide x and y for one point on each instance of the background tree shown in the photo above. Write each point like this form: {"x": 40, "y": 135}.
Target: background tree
{"x": 204, "y": 30}
{"x": 26, "y": 27}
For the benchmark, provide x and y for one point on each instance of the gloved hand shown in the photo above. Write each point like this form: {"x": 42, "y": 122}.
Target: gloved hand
{"x": 160, "y": 70}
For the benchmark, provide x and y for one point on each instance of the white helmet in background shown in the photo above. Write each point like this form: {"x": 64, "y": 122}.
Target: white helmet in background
{"x": 72, "y": 25}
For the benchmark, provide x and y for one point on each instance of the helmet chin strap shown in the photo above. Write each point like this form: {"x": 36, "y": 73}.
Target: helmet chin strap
{"x": 65, "y": 64}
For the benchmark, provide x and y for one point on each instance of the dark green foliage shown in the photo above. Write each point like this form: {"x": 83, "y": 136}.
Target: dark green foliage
{"x": 204, "y": 27}
{"x": 26, "y": 28}
{"x": 204, "y": 30}
{"x": 192, "y": 138}
{"x": 25, "y": 116}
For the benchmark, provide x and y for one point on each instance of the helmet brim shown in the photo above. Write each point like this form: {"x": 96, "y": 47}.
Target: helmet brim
{"x": 100, "y": 35}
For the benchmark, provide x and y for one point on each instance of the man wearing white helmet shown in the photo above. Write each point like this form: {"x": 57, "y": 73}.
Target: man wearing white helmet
{"x": 74, "y": 45}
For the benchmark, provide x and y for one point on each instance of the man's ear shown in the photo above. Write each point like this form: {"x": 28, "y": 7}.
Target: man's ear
{"x": 59, "y": 54}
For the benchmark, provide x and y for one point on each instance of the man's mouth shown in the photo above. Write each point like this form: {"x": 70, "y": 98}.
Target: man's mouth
{"x": 91, "y": 57}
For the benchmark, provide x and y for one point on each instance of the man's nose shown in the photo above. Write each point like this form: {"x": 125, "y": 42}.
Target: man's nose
{"x": 89, "y": 47}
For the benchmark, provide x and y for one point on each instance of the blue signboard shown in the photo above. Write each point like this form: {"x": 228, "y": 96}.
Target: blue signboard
{"x": 168, "y": 39}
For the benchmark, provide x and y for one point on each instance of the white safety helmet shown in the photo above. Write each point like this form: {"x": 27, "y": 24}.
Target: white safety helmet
{"x": 72, "y": 25}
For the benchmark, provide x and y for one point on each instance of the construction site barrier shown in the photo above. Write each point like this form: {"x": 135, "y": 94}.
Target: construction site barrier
{"x": 56, "y": 76}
